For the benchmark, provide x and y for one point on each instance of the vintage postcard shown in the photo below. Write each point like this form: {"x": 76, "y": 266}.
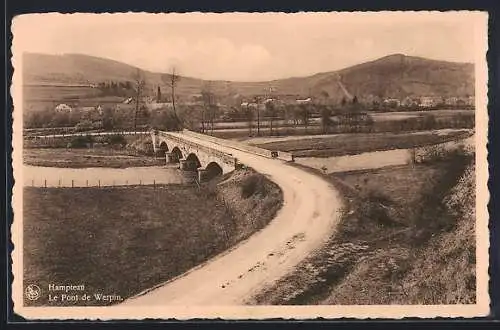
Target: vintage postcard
{"x": 250, "y": 165}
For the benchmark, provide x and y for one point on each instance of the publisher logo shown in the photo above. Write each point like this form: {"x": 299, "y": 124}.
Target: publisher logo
{"x": 33, "y": 292}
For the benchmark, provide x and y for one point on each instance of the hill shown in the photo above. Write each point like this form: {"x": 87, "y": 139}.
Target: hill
{"x": 391, "y": 76}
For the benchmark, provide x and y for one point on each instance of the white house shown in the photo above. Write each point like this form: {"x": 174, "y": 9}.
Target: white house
{"x": 427, "y": 101}
{"x": 471, "y": 100}
{"x": 393, "y": 102}
{"x": 308, "y": 100}
{"x": 63, "y": 108}
{"x": 156, "y": 106}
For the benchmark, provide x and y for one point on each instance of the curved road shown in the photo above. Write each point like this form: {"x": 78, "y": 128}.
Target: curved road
{"x": 308, "y": 217}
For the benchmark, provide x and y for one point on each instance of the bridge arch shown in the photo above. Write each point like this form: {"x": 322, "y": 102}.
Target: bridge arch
{"x": 213, "y": 170}
{"x": 163, "y": 148}
{"x": 177, "y": 154}
{"x": 192, "y": 162}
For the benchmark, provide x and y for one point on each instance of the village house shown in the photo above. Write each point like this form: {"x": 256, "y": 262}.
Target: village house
{"x": 427, "y": 102}
{"x": 471, "y": 100}
{"x": 304, "y": 101}
{"x": 409, "y": 102}
{"x": 63, "y": 108}
{"x": 391, "y": 102}
{"x": 453, "y": 100}
{"x": 157, "y": 106}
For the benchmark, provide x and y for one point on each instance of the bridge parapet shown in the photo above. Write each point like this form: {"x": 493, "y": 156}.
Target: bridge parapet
{"x": 286, "y": 156}
{"x": 180, "y": 150}
{"x": 224, "y": 157}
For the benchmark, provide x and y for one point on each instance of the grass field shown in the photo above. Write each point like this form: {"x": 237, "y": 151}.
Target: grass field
{"x": 349, "y": 144}
{"x": 399, "y": 242}
{"x": 87, "y": 157}
{"x": 38, "y": 98}
{"x": 120, "y": 241}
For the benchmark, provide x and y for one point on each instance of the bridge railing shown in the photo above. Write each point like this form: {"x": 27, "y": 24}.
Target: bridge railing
{"x": 286, "y": 156}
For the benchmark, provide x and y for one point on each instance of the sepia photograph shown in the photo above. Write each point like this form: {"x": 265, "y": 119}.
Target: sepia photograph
{"x": 250, "y": 165}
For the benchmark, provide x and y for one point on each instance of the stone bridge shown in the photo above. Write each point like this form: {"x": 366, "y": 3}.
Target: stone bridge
{"x": 208, "y": 162}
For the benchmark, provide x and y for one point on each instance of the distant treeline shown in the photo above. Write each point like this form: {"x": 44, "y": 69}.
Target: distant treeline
{"x": 116, "y": 88}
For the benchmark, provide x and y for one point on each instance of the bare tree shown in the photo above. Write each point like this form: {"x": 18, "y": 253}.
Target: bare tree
{"x": 271, "y": 111}
{"x": 139, "y": 82}
{"x": 326, "y": 121}
{"x": 209, "y": 105}
{"x": 248, "y": 111}
{"x": 172, "y": 80}
{"x": 257, "y": 102}
{"x": 305, "y": 114}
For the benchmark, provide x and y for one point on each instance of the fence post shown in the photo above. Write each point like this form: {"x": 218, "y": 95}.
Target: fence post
{"x": 154, "y": 184}
{"x": 72, "y": 183}
{"x": 87, "y": 183}
{"x": 99, "y": 183}
{"x": 32, "y": 182}
{"x": 45, "y": 184}
{"x": 59, "y": 183}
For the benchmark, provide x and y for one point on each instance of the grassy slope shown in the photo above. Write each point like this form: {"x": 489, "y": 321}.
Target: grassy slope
{"x": 445, "y": 272}
{"x": 399, "y": 76}
{"x": 349, "y": 144}
{"x": 124, "y": 240}
{"x": 396, "y": 253}
{"x": 390, "y": 76}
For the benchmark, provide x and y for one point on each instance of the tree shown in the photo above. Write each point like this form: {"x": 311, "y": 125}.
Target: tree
{"x": 271, "y": 112}
{"x": 107, "y": 118}
{"x": 139, "y": 82}
{"x": 304, "y": 115}
{"x": 296, "y": 115}
{"x": 158, "y": 95}
{"x": 209, "y": 105}
{"x": 248, "y": 111}
{"x": 325, "y": 96}
{"x": 257, "y": 101}
{"x": 287, "y": 114}
{"x": 190, "y": 116}
{"x": 172, "y": 80}
{"x": 326, "y": 120}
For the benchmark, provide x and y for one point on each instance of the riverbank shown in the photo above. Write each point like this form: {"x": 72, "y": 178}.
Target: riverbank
{"x": 120, "y": 241}
{"x": 356, "y": 143}
{"x": 402, "y": 239}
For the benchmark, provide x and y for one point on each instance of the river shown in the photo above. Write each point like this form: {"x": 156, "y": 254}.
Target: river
{"x": 369, "y": 160}
{"x": 39, "y": 176}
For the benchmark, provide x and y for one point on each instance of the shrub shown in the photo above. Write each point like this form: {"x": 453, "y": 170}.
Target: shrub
{"x": 430, "y": 213}
{"x": 253, "y": 184}
{"x": 80, "y": 141}
{"x": 116, "y": 140}
{"x": 141, "y": 146}
{"x": 374, "y": 206}
{"x": 440, "y": 152}
{"x": 84, "y": 125}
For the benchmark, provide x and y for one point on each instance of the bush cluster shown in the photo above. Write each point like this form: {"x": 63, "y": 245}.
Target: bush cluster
{"x": 253, "y": 184}
{"x": 81, "y": 142}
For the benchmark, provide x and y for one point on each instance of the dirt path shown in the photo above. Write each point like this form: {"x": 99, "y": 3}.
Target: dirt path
{"x": 307, "y": 218}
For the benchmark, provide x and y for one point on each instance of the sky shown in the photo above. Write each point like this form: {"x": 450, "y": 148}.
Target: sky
{"x": 249, "y": 47}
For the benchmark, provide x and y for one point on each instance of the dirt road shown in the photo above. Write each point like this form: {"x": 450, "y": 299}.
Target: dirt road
{"x": 307, "y": 218}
